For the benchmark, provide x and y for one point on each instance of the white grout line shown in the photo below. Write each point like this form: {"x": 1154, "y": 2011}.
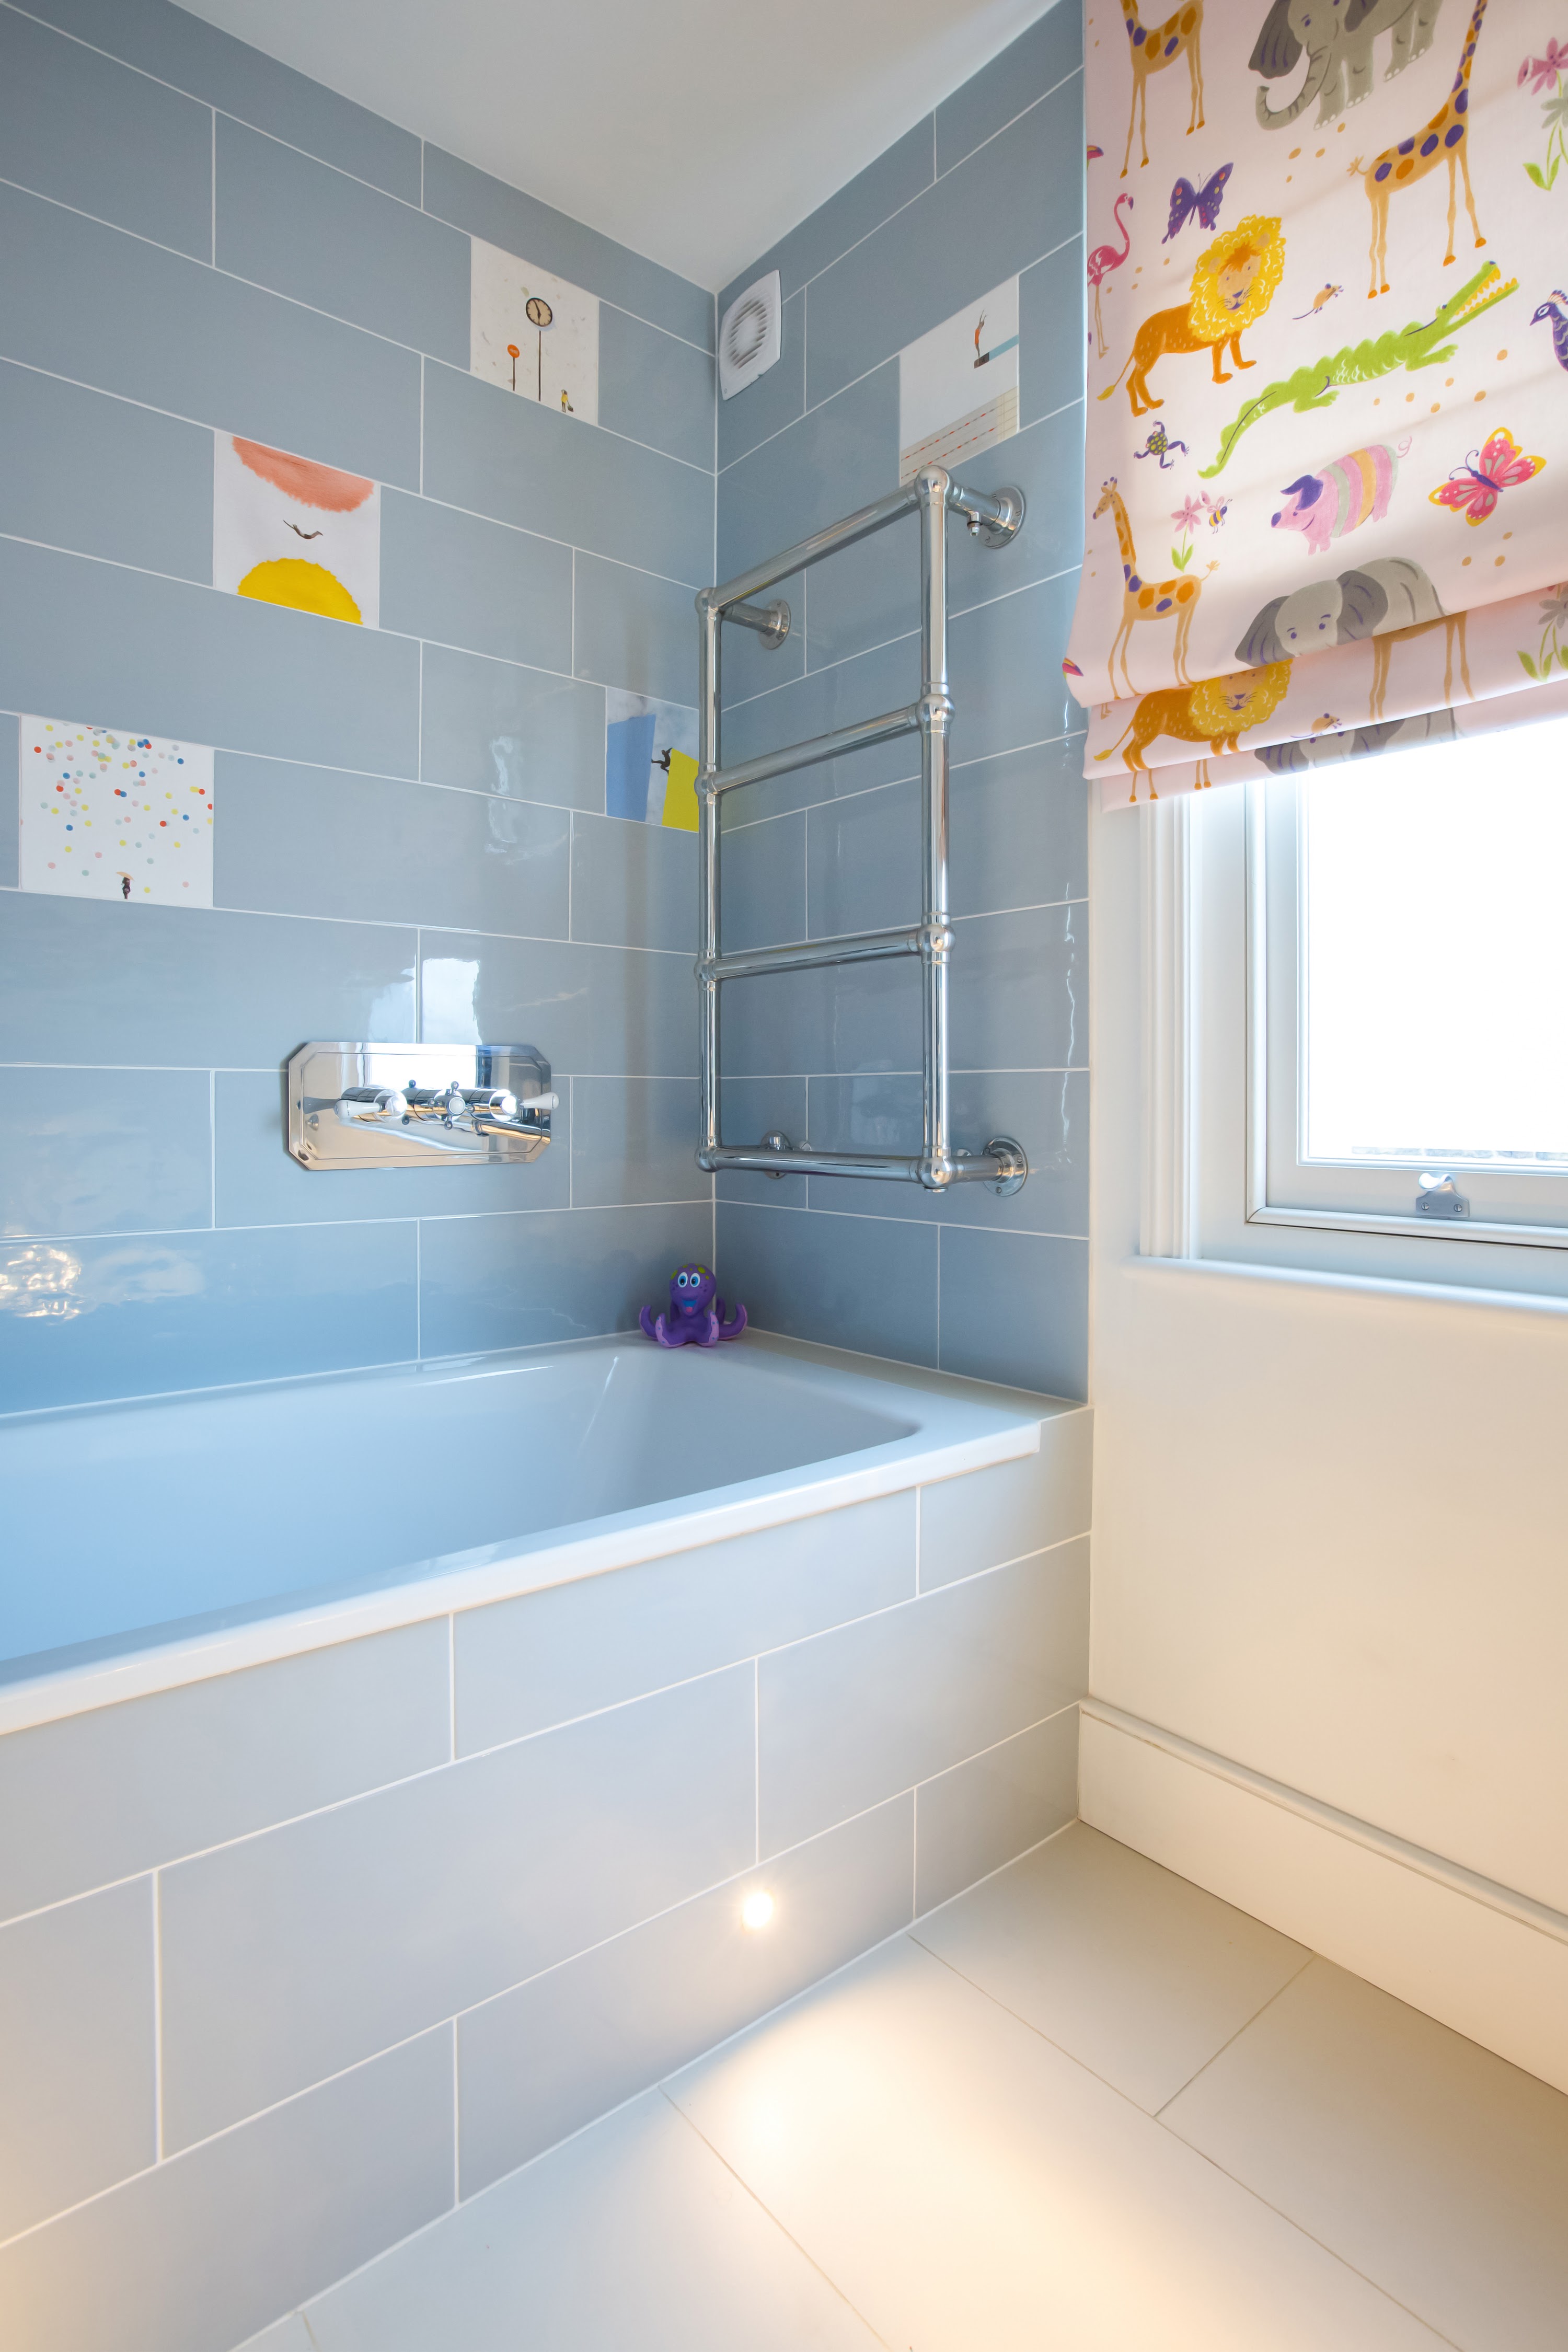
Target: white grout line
{"x": 157, "y": 2018}
{"x": 212, "y": 1149}
{"x": 212, "y": 191}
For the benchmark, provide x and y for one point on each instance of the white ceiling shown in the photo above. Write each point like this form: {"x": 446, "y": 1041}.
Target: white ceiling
{"x": 696, "y": 132}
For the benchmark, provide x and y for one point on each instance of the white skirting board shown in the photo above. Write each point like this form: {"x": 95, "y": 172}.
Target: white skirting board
{"x": 1480, "y": 1958}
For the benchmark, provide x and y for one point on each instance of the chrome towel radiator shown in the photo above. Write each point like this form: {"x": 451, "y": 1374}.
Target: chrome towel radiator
{"x": 993, "y": 520}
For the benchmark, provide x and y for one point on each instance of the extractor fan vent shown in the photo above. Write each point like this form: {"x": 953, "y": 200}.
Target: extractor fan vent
{"x": 749, "y": 335}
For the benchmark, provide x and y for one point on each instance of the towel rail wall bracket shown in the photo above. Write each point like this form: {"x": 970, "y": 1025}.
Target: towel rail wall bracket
{"x": 994, "y": 518}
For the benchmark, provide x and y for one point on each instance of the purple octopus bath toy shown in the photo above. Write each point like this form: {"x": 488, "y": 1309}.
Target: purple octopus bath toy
{"x": 696, "y": 1316}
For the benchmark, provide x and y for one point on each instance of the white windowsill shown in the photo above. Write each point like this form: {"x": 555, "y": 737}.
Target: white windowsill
{"x": 1443, "y": 1294}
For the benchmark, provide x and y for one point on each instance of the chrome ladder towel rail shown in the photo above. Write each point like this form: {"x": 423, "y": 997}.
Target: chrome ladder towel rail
{"x": 993, "y": 519}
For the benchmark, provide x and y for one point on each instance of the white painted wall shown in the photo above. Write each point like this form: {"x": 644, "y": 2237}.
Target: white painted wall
{"x": 1330, "y": 1521}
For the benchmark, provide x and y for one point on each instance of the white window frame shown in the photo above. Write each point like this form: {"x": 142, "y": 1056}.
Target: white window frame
{"x": 1205, "y": 1190}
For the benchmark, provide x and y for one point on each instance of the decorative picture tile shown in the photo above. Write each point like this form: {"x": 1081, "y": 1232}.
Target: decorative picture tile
{"x": 291, "y": 532}
{"x": 109, "y": 815}
{"x": 533, "y": 332}
{"x": 650, "y": 761}
{"x": 958, "y": 387}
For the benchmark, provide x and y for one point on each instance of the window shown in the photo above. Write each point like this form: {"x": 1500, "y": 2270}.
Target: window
{"x": 1356, "y": 1016}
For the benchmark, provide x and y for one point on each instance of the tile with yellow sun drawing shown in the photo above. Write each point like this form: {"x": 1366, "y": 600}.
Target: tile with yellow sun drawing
{"x": 290, "y": 532}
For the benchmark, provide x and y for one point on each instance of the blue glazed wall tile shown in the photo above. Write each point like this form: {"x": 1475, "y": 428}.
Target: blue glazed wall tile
{"x": 1019, "y": 989}
{"x": 79, "y": 128}
{"x": 634, "y": 1141}
{"x": 474, "y": 584}
{"x": 1019, "y": 826}
{"x": 8, "y": 801}
{"x": 634, "y": 631}
{"x": 750, "y": 1109}
{"x": 851, "y": 1282}
{"x": 1045, "y": 1110}
{"x": 1026, "y": 69}
{"x": 193, "y": 1310}
{"x": 497, "y": 454}
{"x": 761, "y": 884}
{"x": 213, "y": 66}
{"x": 863, "y": 861}
{"x": 209, "y": 2249}
{"x": 326, "y": 239}
{"x": 537, "y": 2063}
{"x": 604, "y": 1010}
{"x": 523, "y": 1282}
{"x": 119, "y": 649}
{"x": 749, "y": 664}
{"x": 987, "y": 1810}
{"x": 885, "y": 185}
{"x": 88, "y": 983}
{"x": 1004, "y": 665}
{"x": 549, "y": 1657}
{"x": 76, "y": 2052}
{"x": 106, "y": 1151}
{"x": 256, "y": 1183}
{"x": 104, "y": 476}
{"x": 885, "y": 679}
{"x": 842, "y": 1017}
{"x": 491, "y": 727}
{"x": 1051, "y": 330}
{"x": 522, "y": 224}
{"x": 654, "y": 387}
{"x": 188, "y": 339}
{"x": 313, "y": 841}
{"x": 1015, "y": 1308}
{"x": 634, "y": 885}
{"x": 1011, "y": 200}
{"x": 1045, "y": 462}
{"x": 770, "y": 404}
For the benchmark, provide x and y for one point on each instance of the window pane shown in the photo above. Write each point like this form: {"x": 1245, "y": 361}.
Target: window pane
{"x": 1434, "y": 937}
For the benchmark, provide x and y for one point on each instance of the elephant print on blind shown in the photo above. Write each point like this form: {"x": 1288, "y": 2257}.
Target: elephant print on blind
{"x": 1339, "y": 37}
{"x": 1390, "y": 602}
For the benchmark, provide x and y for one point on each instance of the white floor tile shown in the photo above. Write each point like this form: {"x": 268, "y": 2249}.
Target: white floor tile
{"x": 288, "y": 2335}
{"x": 630, "y": 2238}
{"x": 1436, "y": 2168}
{"x": 970, "y": 2189}
{"x": 1136, "y": 1972}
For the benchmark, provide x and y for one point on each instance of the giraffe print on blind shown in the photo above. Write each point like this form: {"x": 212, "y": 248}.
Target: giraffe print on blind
{"x": 1443, "y": 139}
{"x": 1154, "y": 47}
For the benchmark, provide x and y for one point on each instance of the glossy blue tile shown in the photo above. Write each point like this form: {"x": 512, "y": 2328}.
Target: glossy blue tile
{"x": 106, "y": 1151}
{"x": 1015, "y": 1309}
{"x": 489, "y": 451}
{"x": 83, "y": 981}
{"x": 1041, "y": 461}
{"x": 993, "y": 1807}
{"x": 255, "y": 1181}
{"x": 77, "y": 127}
{"x": 120, "y": 649}
{"x": 604, "y": 1010}
{"x": 1013, "y": 200}
{"x": 749, "y": 664}
{"x": 1051, "y": 331}
{"x": 750, "y": 1109}
{"x": 477, "y": 585}
{"x": 898, "y": 173}
{"x": 770, "y": 404}
{"x": 887, "y": 678}
{"x": 327, "y": 239}
{"x": 1019, "y": 829}
{"x": 1045, "y": 1110}
{"x": 761, "y": 884}
{"x": 213, "y": 66}
{"x": 541, "y": 2061}
{"x": 9, "y": 811}
{"x": 868, "y": 1283}
{"x": 634, "y": 1141}
{"x": 654, "y": 387}
{"x": 635, "y": 630}
{"x": 139, "y": 1316}
{"x": 842, "y": 1017}
{"x": 1026, "y": 69}
{"x": 80, "y": 470}
{"x": 863, "y": 861}
{"x": 504, "y": 215}
{"x": 1019, "y": 989}
{"x": 521, "y": 1282}
{"x": 1005, "y": 668}
{"x": 187, "y": 339}
{"x": 633, "y": 886}
{"x": 491, "y": 727}
{"x": 313, "y": 841}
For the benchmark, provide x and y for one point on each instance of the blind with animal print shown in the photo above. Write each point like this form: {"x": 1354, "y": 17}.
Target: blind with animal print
{"x": 1326, "y": 508}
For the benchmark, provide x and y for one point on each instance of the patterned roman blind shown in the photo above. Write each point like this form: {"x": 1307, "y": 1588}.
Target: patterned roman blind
{"x": 1327, "y": 488}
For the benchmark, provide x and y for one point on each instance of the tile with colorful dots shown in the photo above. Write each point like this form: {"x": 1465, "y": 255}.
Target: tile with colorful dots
{"x": 108, "y": 814}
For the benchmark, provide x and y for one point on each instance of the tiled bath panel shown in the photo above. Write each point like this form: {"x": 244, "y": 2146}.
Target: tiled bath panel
{"x": 294, "y": 1959}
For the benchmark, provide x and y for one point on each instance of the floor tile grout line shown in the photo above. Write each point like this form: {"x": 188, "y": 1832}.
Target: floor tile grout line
{"x": 1245, "y": 2027}
{"x": 763, "y": 2207}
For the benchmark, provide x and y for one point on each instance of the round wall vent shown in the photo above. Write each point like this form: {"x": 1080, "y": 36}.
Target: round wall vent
{"x": 749, "y": 335}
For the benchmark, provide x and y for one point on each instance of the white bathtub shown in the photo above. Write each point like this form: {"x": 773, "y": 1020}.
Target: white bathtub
{"x": 151, "y": 1545}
